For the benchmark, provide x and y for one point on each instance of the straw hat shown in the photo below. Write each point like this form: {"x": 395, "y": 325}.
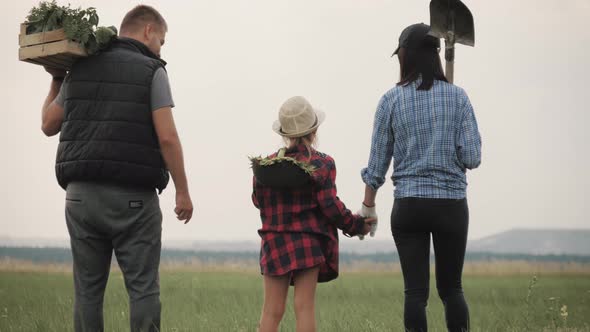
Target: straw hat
{"x": 297, "y": 118}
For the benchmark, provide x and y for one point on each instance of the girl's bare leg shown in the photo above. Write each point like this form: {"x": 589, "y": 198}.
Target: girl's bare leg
{"x": 305, "y": 286}
{"x": 275, "y": 296}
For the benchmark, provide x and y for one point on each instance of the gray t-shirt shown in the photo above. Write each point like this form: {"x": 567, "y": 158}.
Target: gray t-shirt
{"x": 161, "y": 94}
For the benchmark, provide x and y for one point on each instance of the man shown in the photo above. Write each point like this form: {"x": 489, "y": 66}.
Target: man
{"x": 117, "y": 143}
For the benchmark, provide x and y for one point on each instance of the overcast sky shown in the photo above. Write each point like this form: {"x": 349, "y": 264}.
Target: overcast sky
{"x": 232, "y": 63}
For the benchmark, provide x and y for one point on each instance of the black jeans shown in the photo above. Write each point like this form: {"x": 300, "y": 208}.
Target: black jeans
{"x": 412, "y": 222}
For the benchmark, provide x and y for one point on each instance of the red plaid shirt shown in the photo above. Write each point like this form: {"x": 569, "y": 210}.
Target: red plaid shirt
{"x": 318, "y": 210}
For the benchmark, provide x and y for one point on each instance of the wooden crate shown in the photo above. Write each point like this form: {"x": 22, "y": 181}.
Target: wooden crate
{"x": 50, "y": 48}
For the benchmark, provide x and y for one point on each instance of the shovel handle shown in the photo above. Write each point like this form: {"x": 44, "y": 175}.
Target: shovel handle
{"x": 450, "y": 71}
{"x": 450, "y": 59}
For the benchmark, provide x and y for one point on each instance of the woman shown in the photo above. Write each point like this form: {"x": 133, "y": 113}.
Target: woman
{"x": 299, "y": 225}
{"x": 428, "y": 127}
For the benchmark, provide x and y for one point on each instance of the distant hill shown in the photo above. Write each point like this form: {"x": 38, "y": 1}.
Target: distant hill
{"x": 64, "y": 256}
{"x": 346, "y": 245}
{"x": 535, "y": 242}
{"x": 8, "y": 241}
{"x": 512, "y": 242}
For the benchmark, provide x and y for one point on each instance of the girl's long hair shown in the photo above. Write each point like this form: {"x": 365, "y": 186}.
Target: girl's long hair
{"x": 308, "y": 140}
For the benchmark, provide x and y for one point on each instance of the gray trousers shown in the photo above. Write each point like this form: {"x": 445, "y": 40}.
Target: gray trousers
{"x": 105, "y": 218}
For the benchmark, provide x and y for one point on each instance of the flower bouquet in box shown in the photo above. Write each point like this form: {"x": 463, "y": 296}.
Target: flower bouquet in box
{"x": 282, "y": 172}
{"x": 55, "y": 36}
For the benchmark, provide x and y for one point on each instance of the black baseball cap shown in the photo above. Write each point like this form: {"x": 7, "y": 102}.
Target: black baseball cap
{"x": 417, "y": 36}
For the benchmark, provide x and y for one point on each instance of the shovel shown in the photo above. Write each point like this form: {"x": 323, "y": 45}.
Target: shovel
{"x": 451, "y": 20}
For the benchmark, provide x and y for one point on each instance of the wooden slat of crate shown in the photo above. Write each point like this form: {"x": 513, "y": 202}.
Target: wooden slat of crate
{"x": 63, "y": 57}
{"x": 55, "y": 61}
{"x": 59, "y": 54}
{"x": 39, "y": 38}
{"x": 59, "y": 47}
{"x": 52, "y": 63}
{"x": 49, "y": 48}
{"x": 49, "y": 63}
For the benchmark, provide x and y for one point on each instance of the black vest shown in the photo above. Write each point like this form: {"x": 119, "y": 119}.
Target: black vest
{"x": 108, "y": 134}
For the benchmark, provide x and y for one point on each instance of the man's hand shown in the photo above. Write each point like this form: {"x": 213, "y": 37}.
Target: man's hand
{"x": 184, "y": 207}
{"x": 55, "y": 72}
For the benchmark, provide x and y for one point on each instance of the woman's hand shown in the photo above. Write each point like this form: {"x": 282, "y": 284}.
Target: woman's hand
{"x": 369, "y": 212}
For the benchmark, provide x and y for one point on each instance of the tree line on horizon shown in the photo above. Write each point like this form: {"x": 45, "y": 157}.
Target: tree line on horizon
{"x": 63, "y": 255}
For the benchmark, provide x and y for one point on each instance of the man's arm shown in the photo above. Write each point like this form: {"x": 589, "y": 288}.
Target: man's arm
{"x": 172, "y": 154}
{"x": 52, "y": 114}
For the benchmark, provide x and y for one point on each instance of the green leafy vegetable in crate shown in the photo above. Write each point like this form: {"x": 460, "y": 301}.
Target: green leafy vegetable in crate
{"x": 78, "y": 24}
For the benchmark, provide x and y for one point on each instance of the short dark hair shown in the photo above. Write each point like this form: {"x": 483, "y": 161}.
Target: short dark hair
{"x": 141, "y": 15}
{"x": 422, "y": 61}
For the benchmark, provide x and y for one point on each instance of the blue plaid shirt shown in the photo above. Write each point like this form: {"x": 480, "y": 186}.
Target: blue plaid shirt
{"x": 432, "y": 137}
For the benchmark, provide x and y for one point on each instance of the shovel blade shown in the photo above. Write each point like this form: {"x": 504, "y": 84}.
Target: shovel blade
{"x": 452, "y": 16}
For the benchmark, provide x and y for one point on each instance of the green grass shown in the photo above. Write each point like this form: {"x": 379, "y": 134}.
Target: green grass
{"x": 231, "y": 301}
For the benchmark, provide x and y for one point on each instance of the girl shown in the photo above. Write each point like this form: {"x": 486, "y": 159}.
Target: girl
{"x": 299, "y": 226}
{"x": 428, "y": 127}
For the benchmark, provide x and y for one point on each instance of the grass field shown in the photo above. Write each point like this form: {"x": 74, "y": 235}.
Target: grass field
{"x": 357, "y": 301}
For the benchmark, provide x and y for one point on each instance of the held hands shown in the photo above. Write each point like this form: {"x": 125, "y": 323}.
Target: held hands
{"x": 369, "y": 212}
{"x": 369, "y": 224}
{"x": 184, "y": 207}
